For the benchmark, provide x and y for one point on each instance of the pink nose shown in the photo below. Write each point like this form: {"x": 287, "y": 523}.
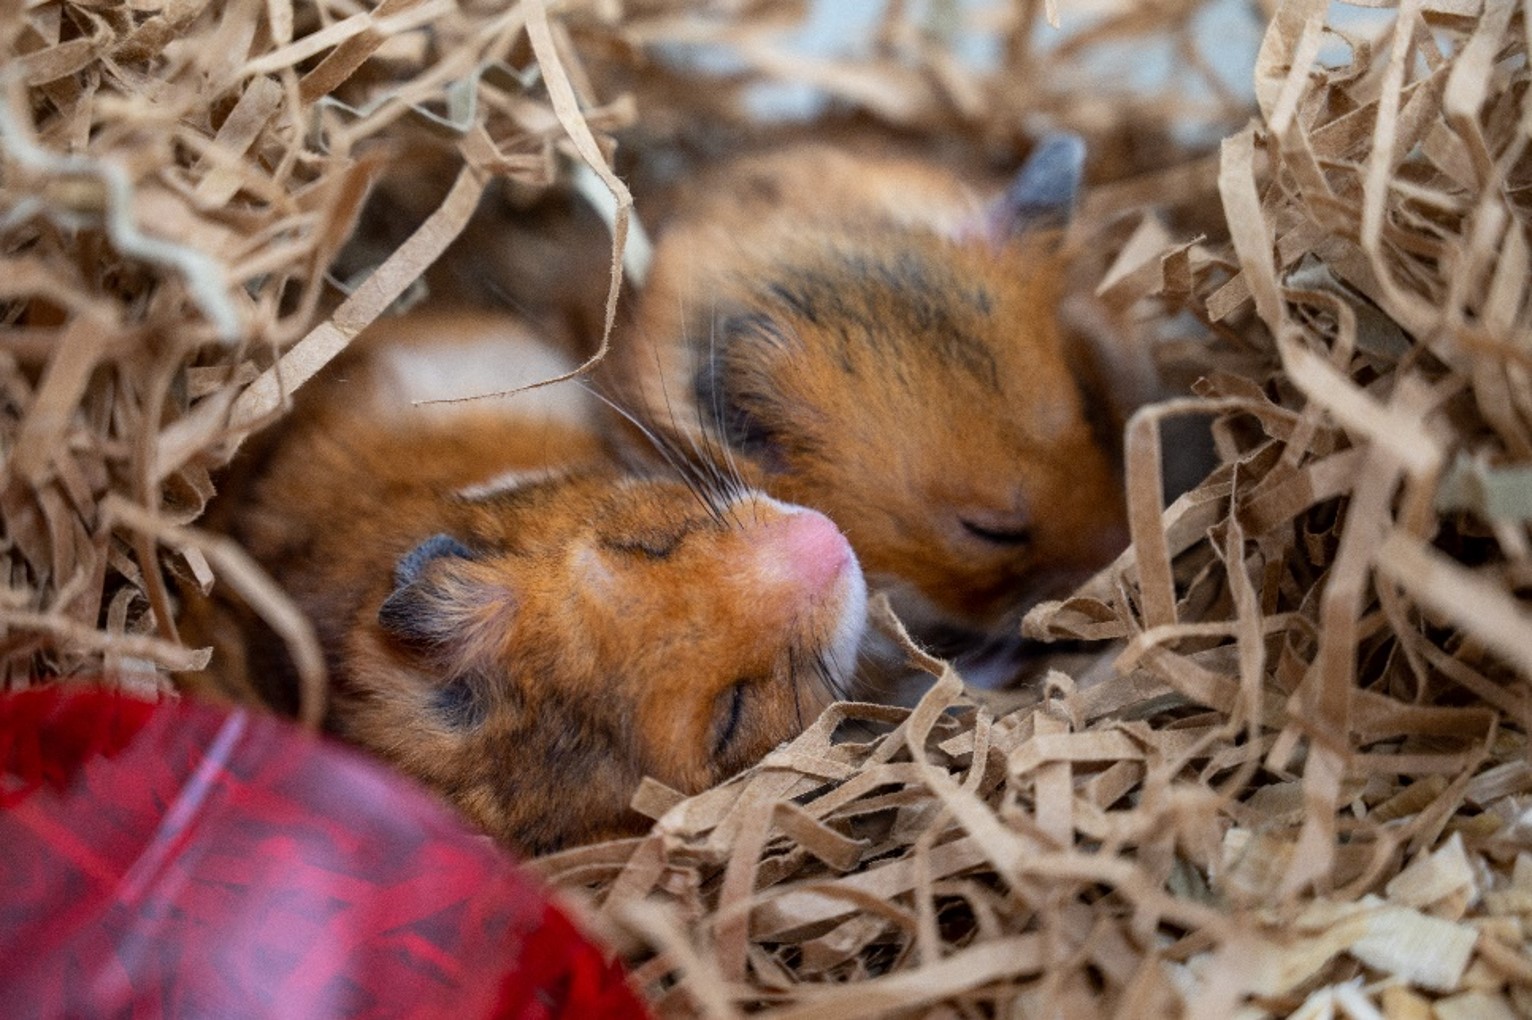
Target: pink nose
{"x": 813, "y": 548}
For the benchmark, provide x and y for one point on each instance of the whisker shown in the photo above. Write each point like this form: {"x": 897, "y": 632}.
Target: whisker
{"x": 792, "y": 678}
{"x": 722, "y": 485}
{"x": 719, "y": 427}
{"x": 827, "y": 676}
{"x": 676, "y": 461}
{"x": 702, "y": 467}
{"x": 729, "y": 484}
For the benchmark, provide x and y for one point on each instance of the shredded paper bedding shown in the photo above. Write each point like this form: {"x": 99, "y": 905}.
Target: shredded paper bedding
{"x": 1296, "y": 780}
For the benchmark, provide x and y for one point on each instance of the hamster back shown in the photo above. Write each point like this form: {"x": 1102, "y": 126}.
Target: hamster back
{"x": 518, "y": 622}
{"x": 875, "y": 339}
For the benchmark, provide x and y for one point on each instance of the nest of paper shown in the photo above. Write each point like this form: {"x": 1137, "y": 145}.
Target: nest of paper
{"x": 1299, "y": 784}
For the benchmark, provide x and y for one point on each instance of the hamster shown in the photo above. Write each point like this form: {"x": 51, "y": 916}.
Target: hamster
{"x": 514, "y": 618}
{"x": 873, "y": 337}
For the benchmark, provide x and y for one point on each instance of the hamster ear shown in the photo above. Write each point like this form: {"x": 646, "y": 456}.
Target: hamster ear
{"x": 1042, "y": 195}
{"x": 412, "y": 563}
{"x": 441, "y": 595}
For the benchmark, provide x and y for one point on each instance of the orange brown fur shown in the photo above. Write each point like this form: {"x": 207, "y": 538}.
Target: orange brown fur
{"x": 866, "y": 349}
{"x": 581, "y": 630}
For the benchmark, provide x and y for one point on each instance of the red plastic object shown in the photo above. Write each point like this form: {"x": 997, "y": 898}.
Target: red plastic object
{"x": 180, "y": 860}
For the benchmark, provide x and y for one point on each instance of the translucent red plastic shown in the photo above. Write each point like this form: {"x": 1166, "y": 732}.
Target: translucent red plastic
{"x": 180, "y": 860}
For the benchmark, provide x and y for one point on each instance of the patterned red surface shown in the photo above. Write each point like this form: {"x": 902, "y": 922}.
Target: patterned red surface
{"x": 178, "y": 860}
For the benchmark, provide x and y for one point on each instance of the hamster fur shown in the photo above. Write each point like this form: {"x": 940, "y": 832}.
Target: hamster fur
{"x": 516, "y": 620}
{"x": 874, "y": 338}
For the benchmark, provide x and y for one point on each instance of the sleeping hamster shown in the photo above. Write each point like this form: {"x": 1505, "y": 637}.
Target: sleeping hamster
{"x": 874, "y": 338}
{"x": 517, "y": 621}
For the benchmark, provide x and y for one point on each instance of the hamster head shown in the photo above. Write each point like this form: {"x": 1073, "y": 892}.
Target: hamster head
{"x": 915, "y": 388}
{"x": 579, "y": 633}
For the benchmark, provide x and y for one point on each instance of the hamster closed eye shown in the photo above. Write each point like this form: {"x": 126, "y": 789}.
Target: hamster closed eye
{"x": 635, "y": 634}
{"x": 522, "y": 624}
{"x": 874, "y": 338}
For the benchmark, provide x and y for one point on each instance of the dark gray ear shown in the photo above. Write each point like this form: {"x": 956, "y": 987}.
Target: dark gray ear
{"x": 434, "y": 548}
{"x": 1044, "y": 191}
{"x": 424, "y": 607}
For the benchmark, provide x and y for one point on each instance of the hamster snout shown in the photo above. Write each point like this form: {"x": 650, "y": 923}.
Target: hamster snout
{"x": 806, "y": 551}
{"x": 806, "y": 559}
